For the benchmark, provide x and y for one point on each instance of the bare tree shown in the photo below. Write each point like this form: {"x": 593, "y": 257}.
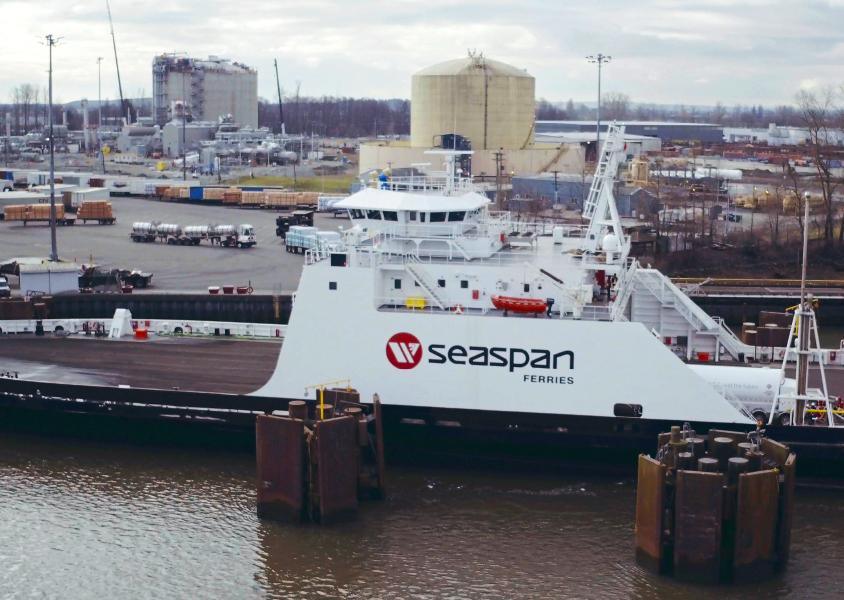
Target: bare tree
{"x": 719, "y": 112}
{"x": 773, "y": 209}
{"x": 818, "y": 112}
{"x": 615, "y": 105}
{"x": 27, "y": 93}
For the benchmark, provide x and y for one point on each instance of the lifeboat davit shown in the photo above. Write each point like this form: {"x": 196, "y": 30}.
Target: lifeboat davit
{"x": 519, "y": 305}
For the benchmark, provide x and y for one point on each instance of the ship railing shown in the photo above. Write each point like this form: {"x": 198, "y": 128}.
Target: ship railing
{"x": 321, "y": 252}
{"x": 421, "y": 304}
{"x": 624, "y": 289}
{"x": 596, "y": 312}
{"x": 425, "y": 184}
{"x": 486, "y": 228}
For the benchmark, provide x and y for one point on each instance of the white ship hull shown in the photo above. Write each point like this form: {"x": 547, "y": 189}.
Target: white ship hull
{"x": 483, "y": 363}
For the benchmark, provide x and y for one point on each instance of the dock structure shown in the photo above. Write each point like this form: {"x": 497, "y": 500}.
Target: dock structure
{"x": 314, "y": 465}
{"x": 715, "y": 509}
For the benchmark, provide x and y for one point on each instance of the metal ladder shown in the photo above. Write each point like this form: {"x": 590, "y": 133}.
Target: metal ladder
{"x": 424, "y": 279}
{"x": 605, "y": 171}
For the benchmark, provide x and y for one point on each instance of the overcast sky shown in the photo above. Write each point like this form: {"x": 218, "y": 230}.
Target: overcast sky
{"x": 664, "y": 51}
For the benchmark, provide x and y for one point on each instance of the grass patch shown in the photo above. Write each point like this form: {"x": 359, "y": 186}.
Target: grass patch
{"x": 334, "y": 184}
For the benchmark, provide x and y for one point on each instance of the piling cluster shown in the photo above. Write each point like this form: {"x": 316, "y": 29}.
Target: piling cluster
{"x": 316, "y": 463}
{"x": 716, "y": 508}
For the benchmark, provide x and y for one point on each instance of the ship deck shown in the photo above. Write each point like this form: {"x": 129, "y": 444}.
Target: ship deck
{"x": 194, "y": 364}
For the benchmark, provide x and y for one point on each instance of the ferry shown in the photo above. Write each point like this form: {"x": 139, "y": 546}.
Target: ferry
{"x": 464, "y": 318}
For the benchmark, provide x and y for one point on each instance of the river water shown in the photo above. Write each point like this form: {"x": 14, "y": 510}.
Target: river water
{"x": 84, "y": 520}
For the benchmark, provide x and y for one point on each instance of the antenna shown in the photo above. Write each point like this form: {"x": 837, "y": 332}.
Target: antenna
{"x": 123, "y": 105}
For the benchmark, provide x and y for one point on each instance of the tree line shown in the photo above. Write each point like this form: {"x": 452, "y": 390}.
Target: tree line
{"x": 619, "y": 106}
{"x": 337, "y": 116}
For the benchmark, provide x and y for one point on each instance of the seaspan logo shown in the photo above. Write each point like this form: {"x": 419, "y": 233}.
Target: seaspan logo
{"x": 404, "y": 351}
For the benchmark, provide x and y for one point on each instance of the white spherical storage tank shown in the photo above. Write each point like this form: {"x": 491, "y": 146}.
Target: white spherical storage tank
{"x": 489, "y": 102}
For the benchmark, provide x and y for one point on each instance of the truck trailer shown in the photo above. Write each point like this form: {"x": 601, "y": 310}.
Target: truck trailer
{"x": 231, "y": 236}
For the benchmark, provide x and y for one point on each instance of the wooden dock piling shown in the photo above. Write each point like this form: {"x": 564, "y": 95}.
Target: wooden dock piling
{"x": 722, "y": 516}
{"x": 317, "y": 462}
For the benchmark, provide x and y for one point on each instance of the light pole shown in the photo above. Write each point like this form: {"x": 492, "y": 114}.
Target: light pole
{"x": 184, "y": 132}
{"x": 54, "y": 252}
{"x": 600, "y": 60}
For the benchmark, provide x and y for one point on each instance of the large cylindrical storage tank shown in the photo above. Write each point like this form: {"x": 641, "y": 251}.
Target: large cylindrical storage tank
{"x": 489, "y": 102}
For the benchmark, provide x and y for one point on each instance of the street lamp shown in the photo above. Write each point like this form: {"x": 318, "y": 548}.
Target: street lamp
{"x": 600, "y": 60}
{"x": 54, "y": 252}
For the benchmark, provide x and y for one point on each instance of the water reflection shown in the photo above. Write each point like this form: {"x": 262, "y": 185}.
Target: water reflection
{"x": 86, "y": 520}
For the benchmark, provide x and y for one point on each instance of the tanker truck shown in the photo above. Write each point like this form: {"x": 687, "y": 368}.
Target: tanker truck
{"x": 753, "y": 387}
{"x": 240, "y": 236}
{"x": 143, "y": 232}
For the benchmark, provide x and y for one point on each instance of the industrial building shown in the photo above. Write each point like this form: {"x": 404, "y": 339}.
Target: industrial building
{"x": 474, "y": 103}
{"x": 667, "y": 132}
{"x": 212, "y": 88}
{"x": 572, "y": 190}
{"x": 778, "y": 135}
{"x": 636, "y": 144}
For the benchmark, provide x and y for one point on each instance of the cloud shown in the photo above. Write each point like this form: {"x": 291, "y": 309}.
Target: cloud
{"x": 672, "y": 51}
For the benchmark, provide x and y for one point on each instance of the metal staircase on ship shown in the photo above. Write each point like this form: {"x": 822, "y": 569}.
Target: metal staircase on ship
{"x": 654, "y": 300}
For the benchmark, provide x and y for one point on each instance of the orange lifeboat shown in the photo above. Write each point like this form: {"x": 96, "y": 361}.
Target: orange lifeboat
{"x": 519, "y": 305}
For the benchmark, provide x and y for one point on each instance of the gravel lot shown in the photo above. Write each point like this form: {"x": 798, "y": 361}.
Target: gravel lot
{"x": 177, "y": 268}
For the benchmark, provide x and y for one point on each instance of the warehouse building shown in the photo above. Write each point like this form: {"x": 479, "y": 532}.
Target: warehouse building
{"x": 212, "y": 88}
{"x": 572, "y": 190}
{"x": 667, "y": 132}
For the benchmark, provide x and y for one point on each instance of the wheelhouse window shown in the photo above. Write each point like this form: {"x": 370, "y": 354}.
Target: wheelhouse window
{"x": 391, "y": 215}
{"x": 437, "y": 217}
{"x": 373, "y": 214}
{"x": 356, "y": 213}
{"x": 456, "y": 216}
{"x": 411, "y": 215}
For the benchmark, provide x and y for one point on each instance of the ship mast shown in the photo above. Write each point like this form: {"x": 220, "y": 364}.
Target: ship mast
{"x": 600, "y": 209}
{"x": 803, "y": 322}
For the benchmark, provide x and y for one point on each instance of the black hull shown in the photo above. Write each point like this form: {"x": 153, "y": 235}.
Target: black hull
{"x": 412, "y": 434}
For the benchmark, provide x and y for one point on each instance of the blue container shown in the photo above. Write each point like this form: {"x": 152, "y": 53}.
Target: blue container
{"x": 9, "y": 176}
{"x": 252, "y": 189}
{"x": 196, "y": 192}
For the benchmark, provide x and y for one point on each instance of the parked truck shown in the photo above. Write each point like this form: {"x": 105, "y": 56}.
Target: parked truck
{"x": 37, "y": 213}
{"x": 96, "y": 210}
{"x": 240, "y": 236}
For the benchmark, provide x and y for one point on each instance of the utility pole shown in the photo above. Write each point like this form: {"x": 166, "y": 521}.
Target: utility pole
{"x": 54, "y": 252}
{"x": 600, "y": 60}
{"x": 499, "y": 157}
{"x": 8, "y": 135}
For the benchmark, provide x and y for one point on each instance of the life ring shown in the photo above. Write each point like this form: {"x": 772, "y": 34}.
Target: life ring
{"x": 457, "y": 309}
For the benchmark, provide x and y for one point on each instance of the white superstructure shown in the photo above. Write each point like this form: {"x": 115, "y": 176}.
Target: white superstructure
{"x": 436, "y": 300}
